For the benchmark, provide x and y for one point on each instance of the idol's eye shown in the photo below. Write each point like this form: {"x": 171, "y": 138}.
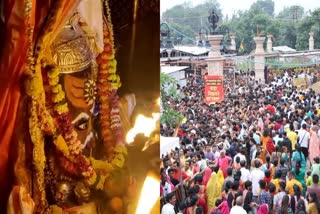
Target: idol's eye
{"x": 82, "y": 124}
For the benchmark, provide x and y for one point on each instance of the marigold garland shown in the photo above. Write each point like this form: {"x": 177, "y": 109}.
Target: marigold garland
{"x": 44, "y": 122}
{"x": 108, "y": 83}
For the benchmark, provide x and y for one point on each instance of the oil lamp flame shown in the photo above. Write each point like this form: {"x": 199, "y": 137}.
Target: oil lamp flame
{"x": 149, "y": 195}
{"x": 143, "y": 125}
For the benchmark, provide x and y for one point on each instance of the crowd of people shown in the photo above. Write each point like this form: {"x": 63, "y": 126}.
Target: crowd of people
{"x": 256, "y": 152}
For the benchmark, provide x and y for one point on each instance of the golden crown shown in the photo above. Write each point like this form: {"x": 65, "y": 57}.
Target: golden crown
{"x": 71, "y": 50}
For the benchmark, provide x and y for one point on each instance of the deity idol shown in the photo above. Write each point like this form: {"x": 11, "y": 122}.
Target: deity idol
{"x": 67, "y": 152}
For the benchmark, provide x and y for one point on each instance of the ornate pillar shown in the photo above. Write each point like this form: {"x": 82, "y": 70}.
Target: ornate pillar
{"x": 269, "y": 44}
{"x": 259, "y": 59}
{"x": 311, "y": 41}
{"x": 215, "y": 60}
{"x": 233, "y": 43}
{"x": 169, "y": 53}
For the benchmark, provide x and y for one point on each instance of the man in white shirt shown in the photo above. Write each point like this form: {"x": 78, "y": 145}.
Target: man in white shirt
{"x": 238, "y": 209}
{"x": 256, "y": 137}
{"x": 168, "y": 208}
{"x": 216, "y": 152}
{"x": 304, "y": 138}
{"x": 277, "y": 138}
{"x": 245, "y": 173}
{"x": 255, "y": 176}
{"x": 239, "y": 154}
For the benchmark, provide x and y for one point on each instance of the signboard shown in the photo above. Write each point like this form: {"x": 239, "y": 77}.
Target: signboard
{"x": 213, "y": 90}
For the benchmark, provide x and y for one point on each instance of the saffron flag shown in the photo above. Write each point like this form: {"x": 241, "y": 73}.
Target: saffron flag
{"x": 241, "y": 48}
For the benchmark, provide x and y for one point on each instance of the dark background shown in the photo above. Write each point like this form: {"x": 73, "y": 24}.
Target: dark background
{"x": 139, "y": 75}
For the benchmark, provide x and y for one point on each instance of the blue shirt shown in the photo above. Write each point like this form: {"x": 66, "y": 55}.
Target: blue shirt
{"x": 265, "y": 197}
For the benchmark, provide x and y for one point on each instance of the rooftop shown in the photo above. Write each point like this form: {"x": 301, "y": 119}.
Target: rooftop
{"x": 172, "y": 69}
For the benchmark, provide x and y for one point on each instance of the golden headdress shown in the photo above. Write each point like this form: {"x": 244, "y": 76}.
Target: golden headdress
{"x": 71, "y": 50}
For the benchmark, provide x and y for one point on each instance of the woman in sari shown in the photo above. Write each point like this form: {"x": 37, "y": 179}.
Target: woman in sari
{"x": 298, "y": 155}
{"x": 220, "y": 177}
{"x": 207, "y": 176}
{"x": 213, "y": 190}
{"x": 314, "y": 149}
{"x": 263, "y": 209}
{"x": 299, "y": 174}
{"x": 265, "y": 145}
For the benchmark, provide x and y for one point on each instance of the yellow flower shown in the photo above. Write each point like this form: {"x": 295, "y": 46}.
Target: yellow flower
{"x": 53, "y": 73}
{"x": 56, "y": 89}
{"x": 99, "y": 164}
{"x": 112, "y": 77}
{"x": 58, "y": 97}
{"x": 118, "y": 161}
{"x": 112, "y": 70}
{"x": 61, "y": 145}
{"x": 113, "y": 63}
{"x": 101, "y": 182}
{"x": 92, "y": 179}
{"x": 56, "y": 209}
{"x": 47, "y": 123}
{"x": 115, "y": 85}
{"x": 61, "y": 108}
{"x": 121, "y": 150}
{"x": 54, "y": 81}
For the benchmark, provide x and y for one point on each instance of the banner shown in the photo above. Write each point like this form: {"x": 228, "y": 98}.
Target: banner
{"x": 167, "y": 144}
{"x": 300, "y": 82}
{"x": 213, "y": 90}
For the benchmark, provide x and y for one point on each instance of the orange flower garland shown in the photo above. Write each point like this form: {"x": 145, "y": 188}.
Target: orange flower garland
{"x": 107, "y": 85}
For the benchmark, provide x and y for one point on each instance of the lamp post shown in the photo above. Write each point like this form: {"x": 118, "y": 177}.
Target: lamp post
{"x": 164, "y": 34}
{"x": 203, "y": 36}
{"x": 215, "y": 59}
{"x": 165, "y": 39}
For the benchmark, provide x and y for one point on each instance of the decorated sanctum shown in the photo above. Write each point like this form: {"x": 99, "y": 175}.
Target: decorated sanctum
{"x": 63, "y": 142}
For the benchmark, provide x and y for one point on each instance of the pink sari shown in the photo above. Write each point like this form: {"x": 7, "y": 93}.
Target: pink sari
{"x": 206, "y": 176}
{"x": 263, "y": 209}
{"x": 223, "y": 208}
{"x": 260, "y": 124}
{"x": 314, "y": 149}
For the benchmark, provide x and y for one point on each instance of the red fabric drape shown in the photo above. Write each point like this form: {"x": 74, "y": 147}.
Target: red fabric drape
{"x": 13, "y": 59}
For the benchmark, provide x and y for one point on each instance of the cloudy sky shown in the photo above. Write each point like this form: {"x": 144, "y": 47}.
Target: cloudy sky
{"x": 229, "y": 6}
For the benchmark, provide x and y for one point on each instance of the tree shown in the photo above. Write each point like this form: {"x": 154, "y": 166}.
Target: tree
{"x": 290, "y": 27}
{"x": 308, "y": 24}
{"x": 266, "y": 6}
{"x": 168, "y": 90}
{"x": 185, "y": 30}
{"x": 291, "y": 13}
{"x": 189, "y": 19}
{"x": 287, "y": 35}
